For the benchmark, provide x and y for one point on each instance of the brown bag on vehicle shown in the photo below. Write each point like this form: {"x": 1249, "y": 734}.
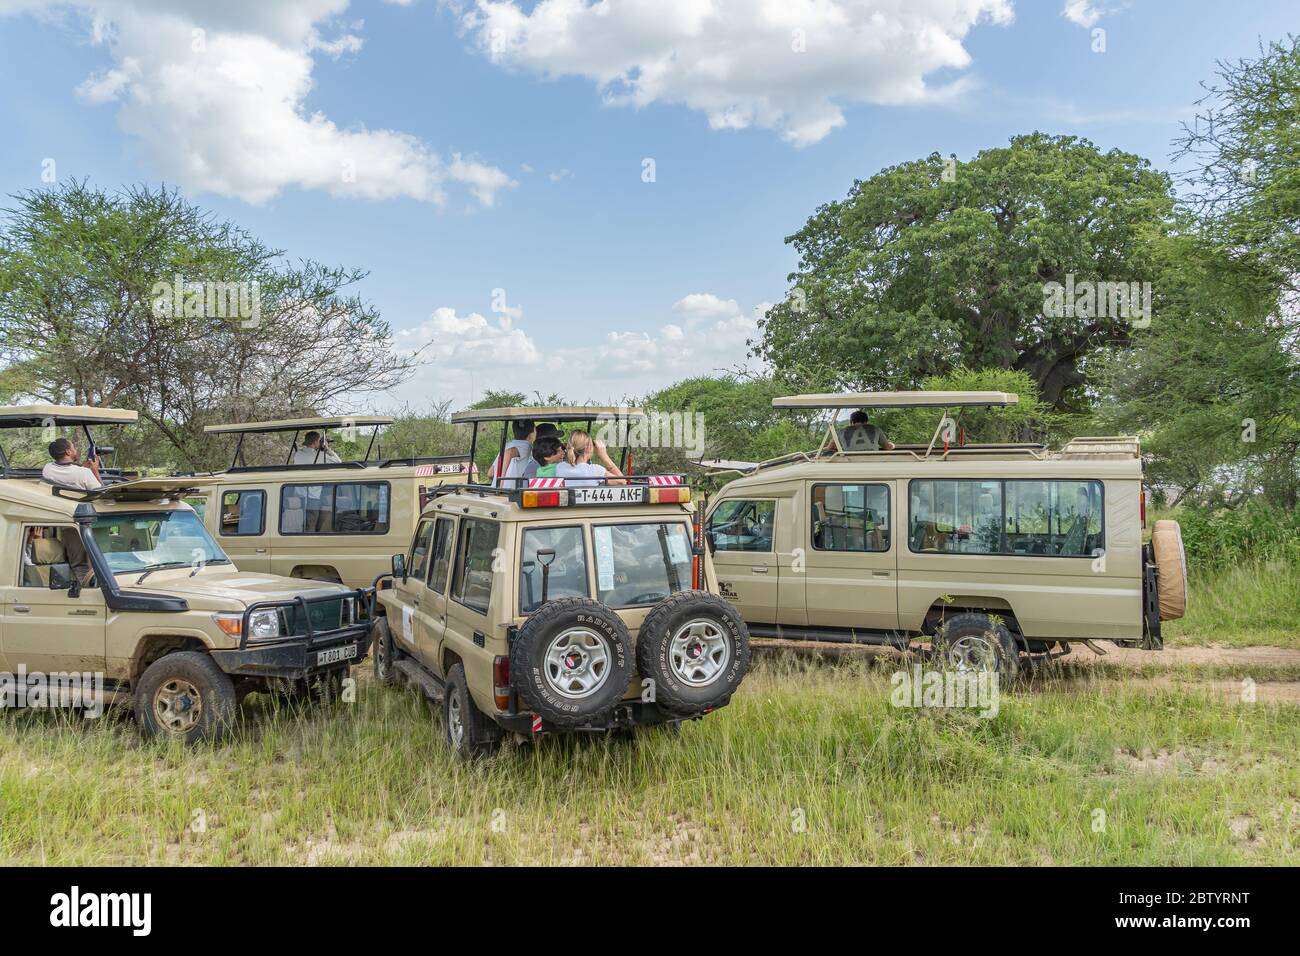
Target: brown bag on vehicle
{"x": 1171, "y": 565}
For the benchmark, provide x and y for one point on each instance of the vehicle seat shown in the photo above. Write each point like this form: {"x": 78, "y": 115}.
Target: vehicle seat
{"x": 44, "y": 552}
{"x": 294, "y": 519}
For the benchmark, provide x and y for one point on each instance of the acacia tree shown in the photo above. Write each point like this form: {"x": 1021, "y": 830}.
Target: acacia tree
{"x": 935, "y": 264}
{"x": 88, "y": 314}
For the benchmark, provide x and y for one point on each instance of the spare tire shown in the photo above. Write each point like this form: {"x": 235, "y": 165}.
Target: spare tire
{"x": 571, "y": 661}
{"x": 1171, "y": 569}
{"x": 695, "y": 648}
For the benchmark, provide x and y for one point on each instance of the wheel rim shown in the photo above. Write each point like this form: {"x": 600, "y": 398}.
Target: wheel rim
{"x": 577, "y": 663}
{"x": 699, "y": 652}
{"x": 177, "y": 705}
{"x": 972, "y": 654}
{"x": 385, "y": 661}
{"x": 455, "y": 718}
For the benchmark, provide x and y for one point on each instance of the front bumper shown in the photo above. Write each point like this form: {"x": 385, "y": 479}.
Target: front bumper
{"x": 297, "y": 658}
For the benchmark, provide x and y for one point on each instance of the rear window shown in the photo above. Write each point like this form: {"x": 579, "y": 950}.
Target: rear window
{"x": 565, "y": 571}
{"x": 640, "y": 564}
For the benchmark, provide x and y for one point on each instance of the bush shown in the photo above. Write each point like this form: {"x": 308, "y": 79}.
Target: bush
{"x": 1218, "y": 537}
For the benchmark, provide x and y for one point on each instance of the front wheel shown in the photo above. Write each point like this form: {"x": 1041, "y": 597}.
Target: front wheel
{"x": 185, "y": 696}
{"x": 385, "y": 653}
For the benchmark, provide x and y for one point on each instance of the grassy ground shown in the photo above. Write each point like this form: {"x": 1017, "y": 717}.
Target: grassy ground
{"x": 1240, "y": 606}
{"x": 810, "y": 764}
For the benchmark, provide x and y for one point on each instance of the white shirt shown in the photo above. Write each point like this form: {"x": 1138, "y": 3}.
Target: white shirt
{"x": 316, "y": 456}
{"x": 70, "y": 475}
{"x": 588, "y": 470}
{"x": 516, "y": 467}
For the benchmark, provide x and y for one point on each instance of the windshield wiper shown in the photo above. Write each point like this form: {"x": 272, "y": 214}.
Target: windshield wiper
{"x": 161, "y": 567}
{"x": 200, "y": 565}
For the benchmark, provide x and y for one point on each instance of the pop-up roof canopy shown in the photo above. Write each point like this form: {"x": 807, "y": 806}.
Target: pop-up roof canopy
{"x": 298, "y": 424}
{"x": 896, "y": 400}
{"x": 37, "y": 416}
{"x": 546, "y": 413}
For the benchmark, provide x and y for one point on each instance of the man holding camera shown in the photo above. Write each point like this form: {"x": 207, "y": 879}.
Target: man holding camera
{"x": 65, "y": 468}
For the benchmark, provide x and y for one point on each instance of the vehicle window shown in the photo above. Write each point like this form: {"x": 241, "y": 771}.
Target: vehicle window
{"x": 1013, "y": 517}
{"x": 641, "y": 563}
{"x": 417, "y": 562}
{"x": 850, "y": 517}
{"x": 472, "y": 582}
{"x": 355, "y": 507}
{"x": 51, "y": 549}
{"x": 740, "y": 525}
{"x": 567, "y": 574}
{"x": 243, "y": 512}
{"x": 441, "y": 555}
{"x": 138, "y": 542}
{"x": 199, "y": 504}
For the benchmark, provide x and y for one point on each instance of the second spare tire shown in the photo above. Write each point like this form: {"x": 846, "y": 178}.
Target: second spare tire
{"x": 695, "y": 648}
{"x": 571, "y": 661}
{"x": 1171, "y": 569}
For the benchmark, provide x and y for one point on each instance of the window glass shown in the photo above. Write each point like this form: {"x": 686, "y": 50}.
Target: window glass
{"x": 199, "y": 504}
{"x": 567, "y": 575}
{"x": 741, "y": 525}
{"x": 52, "y": 550}
{"x": 473, "y": 578}
{"x": 1049, "y": 518}
{"x": 356, "y": 507}
{"x": 155, "y": 539}
{"x": 243, "y": 512}
{"x": 641, "y": 563}
{"x": 441, "y": 555}
{"x": 417, "y": 562}
{"x": 850, "y": 517}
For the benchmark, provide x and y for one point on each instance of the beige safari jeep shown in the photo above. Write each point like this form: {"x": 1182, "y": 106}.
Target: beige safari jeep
{"x": 125, "y": 581}
{"x": 548, "y": 608}
{"x": 987, "y": 551}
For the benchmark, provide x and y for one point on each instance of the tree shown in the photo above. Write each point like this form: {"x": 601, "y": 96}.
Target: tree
{"x": 936, "y": 264}
{"x": 142, "y": 299}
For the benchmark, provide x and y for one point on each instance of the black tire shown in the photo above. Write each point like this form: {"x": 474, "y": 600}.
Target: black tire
{"x": 971, "y": 641}
{"x": 385, "y": 653}
{"x": 185, "y": 696}
{"x": 600, "y": 646}
{"x": 695, "y": 648}
{"x": 469, "y": 732}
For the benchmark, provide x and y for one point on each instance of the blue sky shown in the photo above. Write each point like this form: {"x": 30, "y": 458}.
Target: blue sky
{"x": 502, "y": 146}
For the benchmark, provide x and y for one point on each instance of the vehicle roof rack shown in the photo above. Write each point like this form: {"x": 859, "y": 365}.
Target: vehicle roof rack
{"x": 920, "y": 399}
{"x": 546, "y": 413}
{"x": 298, "y": 424}
{"x": 39, "y": 415}
{"x": 1101, "y": 447}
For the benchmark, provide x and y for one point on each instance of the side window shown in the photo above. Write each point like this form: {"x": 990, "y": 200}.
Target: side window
{"x": 1013, "y": 517}
{"x": 243, "y": 512}
{"x": 566, "y": 575}
{"x": 1061, "y": 518}
{"x": 956, "y": 517}
{"x": 200, "y": 506}
{"x": 356, "y": 507}
{"x": 472, "y": 580}
{"x": 417, "y": 562}
{"x": 441, "y": 555}
{"x": 850, "y": 517}
{"x": 52, "y": 551}
{"x": 743, "y": 525}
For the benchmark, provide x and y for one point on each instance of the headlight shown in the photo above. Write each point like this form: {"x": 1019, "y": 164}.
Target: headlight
{"x": 263, "y": 625}
{"x": 348, "y": 615}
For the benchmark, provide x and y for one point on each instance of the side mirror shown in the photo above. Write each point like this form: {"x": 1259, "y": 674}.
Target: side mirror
{"x": 711, "y": 541}
{"x": 399, "y": 566}
{"x": 62, "y": 579}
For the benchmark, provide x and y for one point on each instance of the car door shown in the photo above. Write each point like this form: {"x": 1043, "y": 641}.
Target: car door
{"x": 47, "y": 630}
{"x": 433, "y": 606}
{"x": 242, "y": 527}
{"x": 851, "y": 574}
{"x": 410, "y": 588}
{"x": 473, "y": 579}
{"x": 742, "y": 535}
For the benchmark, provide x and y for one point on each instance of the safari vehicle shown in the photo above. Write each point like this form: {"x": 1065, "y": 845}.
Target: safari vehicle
{"x": 125, "y": 581}
{"x": 549, "y": 609}
{"x": 327, "y": 522}
{"x": 986, "y": 550}
{"x": 47, "y": 417}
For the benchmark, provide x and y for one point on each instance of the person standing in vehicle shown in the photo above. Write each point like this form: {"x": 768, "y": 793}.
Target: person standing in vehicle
{"x": 860, "y": 435}
{"x": 510, "y": 464}
{"x": 315, "y": 450}
{"x": 582, "y": 447}
{"x": 65, "y": 469}
{"x": 548, "y": 452}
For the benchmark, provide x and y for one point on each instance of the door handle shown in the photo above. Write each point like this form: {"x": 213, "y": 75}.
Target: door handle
{"x": 759, "y": 568}
{"x": 22, "y": 609}
{"x": 880, "y": 574}
{"x": 259, "y": 550}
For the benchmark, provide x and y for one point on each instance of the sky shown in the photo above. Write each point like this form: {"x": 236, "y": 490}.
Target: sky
{"x": 583, "y": 197}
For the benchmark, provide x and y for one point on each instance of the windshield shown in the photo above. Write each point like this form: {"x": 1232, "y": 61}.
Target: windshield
{"x": 136, "y": 542}
{"x": 641, "y": 563}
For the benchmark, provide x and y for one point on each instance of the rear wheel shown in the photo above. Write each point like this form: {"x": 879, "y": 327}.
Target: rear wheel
{"x": 469, "y": 732}
{"x": 972, "y": 642}
{"x": 185, "y": 696}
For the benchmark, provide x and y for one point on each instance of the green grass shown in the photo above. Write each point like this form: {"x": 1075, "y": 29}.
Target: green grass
{"x": 1241, "y": 605}
{"x": 1182, "y": 778}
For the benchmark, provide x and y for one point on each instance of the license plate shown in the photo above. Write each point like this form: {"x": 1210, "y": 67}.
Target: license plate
{"x": 614, "y": 495}
{"x": 333, "y": 655}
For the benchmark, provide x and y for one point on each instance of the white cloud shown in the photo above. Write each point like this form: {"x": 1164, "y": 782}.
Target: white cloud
{"x": 216, "y": 94}
{"x": 559, "y": 175}
{"x": 704, "y": 305}
{"x": 472, "y": 353}
{"x": 786, "y": 65}
{"x": 1083, "y": 12}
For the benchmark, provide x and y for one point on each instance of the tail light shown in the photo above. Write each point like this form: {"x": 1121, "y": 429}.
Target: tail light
{"x": 501, "y": 682}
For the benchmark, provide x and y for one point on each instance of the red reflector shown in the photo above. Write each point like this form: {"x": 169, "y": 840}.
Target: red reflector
{"x": 1142, "y": 505}
{"x": 501, "y": 682}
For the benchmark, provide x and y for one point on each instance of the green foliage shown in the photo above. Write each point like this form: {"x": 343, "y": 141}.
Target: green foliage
{"x": 934, "y": 265}
{"x": 1028, "y": 420}
{"x": 1251, "y": 533}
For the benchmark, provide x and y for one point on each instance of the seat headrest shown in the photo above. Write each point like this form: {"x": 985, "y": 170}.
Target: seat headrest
{"x": 49, "y": 551}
